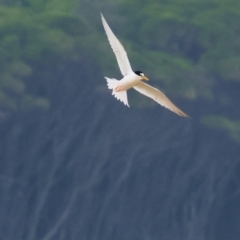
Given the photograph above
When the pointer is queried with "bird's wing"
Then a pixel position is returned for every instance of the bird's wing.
(159, 97)
(118, 49)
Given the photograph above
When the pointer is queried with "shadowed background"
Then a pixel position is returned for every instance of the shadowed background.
(75, 163)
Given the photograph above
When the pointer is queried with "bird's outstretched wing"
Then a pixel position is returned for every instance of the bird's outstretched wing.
(159, 97)
(118, 49)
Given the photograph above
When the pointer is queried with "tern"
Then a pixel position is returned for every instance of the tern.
(132, 79)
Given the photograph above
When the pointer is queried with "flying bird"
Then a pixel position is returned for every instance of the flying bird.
(132, 79)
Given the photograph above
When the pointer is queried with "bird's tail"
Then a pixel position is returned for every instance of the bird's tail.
(121, 95)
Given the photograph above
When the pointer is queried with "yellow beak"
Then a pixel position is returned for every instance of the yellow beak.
(145, 78)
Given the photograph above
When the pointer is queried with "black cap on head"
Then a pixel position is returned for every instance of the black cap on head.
(139, 73)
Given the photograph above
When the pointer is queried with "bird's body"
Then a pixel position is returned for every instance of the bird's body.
(128, 81)
(132, 79)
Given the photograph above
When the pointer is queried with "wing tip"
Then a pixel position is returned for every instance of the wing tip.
(183, 114)
(103, 18)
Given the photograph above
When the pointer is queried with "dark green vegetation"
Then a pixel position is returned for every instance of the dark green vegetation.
(37, 39)
(191, 48)
(77, 164)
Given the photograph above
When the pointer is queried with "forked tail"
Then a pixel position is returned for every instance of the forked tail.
(121, 95)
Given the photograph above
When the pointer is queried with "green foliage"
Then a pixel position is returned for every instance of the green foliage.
(187, 47)
(231, 127)
(195, 44)
(33, 38)
(203, 33)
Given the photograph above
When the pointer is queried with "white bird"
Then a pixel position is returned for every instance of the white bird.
(133, 79)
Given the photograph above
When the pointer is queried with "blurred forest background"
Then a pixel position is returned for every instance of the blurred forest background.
(75, 163)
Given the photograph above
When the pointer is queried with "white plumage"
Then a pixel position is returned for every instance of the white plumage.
(133, 79)
(118, 49)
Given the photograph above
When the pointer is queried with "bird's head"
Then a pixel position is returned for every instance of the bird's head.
(141, 74)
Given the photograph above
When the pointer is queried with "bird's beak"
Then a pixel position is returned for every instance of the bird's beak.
(145, 78)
